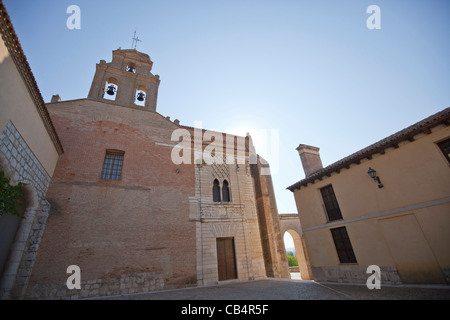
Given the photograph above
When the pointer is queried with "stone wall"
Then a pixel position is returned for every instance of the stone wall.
(353, 274)
(236, 219)
(21, 165)
(275, 259)
(116, 229)
(22, 161)
(125, 284)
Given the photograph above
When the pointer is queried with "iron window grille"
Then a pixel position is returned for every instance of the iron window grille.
(112, 165)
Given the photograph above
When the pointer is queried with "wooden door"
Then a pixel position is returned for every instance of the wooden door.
(226, 261)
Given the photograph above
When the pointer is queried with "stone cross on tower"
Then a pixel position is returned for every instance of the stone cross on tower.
(135, 41)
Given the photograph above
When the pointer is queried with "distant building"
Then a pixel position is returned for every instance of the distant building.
(386, 205)
(29, 150)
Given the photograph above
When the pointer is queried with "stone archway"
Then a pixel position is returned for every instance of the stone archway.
(297, 243)
(290, 223)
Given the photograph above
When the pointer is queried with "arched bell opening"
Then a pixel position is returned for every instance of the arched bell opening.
(140, 96)
(131, 67)
(111, 88)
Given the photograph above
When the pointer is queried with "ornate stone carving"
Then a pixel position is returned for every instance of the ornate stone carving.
(223, 211)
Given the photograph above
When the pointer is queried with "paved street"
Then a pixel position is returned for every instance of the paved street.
(284, 289)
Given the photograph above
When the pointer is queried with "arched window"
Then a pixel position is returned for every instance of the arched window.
(216, 191)
(226, 192)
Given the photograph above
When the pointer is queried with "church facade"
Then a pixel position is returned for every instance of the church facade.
(141, 203)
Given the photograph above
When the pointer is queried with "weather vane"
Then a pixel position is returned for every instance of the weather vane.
(135, 41)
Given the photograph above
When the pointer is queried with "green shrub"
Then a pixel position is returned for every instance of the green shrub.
(11, 197)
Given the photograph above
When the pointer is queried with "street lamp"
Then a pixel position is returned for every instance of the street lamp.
(373, 174)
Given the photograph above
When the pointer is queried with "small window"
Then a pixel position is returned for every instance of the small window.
(216, 191)
(112, 165)
(225, 192)
(343, 245)
(331, 204)
(445, 148)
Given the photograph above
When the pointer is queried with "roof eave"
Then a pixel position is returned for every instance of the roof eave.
(393, 141)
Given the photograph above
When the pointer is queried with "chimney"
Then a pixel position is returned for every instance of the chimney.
(310, 158)
(55, 98)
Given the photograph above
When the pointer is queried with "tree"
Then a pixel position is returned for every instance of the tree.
(292, 260)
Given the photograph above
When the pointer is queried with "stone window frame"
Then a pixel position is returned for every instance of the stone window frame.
(221, 191)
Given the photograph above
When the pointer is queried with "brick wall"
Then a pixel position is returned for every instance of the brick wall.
(155, 228)
(127, 235)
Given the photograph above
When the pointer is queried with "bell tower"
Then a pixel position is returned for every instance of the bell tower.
(126, 81)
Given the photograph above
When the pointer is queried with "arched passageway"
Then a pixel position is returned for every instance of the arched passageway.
(291, 245)
(290, 224)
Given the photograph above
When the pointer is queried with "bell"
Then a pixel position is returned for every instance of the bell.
(111, 90)
(140, 96)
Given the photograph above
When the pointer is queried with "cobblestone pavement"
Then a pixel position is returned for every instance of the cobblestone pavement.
(285, 289)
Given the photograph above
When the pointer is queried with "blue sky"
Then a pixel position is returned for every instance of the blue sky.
(310, 70)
